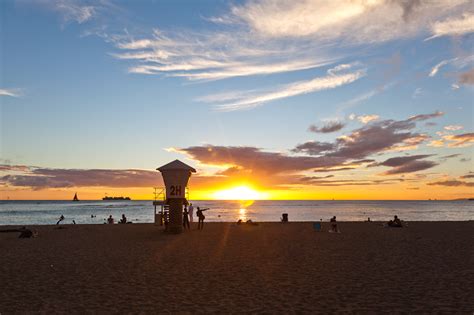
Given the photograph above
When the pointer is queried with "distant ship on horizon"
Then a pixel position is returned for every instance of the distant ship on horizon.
(75, 197)
(116, 198)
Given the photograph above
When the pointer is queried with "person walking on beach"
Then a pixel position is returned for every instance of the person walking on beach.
(334, 228)
(191, 210)
(185, 218)
(61, 218)
(201, 217)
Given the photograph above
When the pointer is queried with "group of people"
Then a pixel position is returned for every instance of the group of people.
(189, 211)
(109, 220)
(396, 222)
(188, 216)
(123, 220)
(61, 218)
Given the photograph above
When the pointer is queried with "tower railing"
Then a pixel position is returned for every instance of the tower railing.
(159, 200)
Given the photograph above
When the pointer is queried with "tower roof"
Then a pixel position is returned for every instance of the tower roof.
(176, 165)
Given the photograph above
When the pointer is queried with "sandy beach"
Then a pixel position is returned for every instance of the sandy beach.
(272, 268)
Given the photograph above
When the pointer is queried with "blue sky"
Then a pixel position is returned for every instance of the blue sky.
(132, 85)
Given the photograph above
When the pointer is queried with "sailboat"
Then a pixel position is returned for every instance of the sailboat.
(75, 197)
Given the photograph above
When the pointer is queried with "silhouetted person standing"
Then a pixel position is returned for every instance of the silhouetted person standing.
(201, 217)
(191, 210)
(186, 217)
(334, 225)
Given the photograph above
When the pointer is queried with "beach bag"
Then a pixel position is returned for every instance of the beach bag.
(317, 226)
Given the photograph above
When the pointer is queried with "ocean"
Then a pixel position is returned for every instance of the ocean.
(140, 211)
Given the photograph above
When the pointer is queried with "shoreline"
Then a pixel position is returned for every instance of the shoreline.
(326, 222)
(230, 200)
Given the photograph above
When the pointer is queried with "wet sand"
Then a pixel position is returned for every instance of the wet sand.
(272, 267)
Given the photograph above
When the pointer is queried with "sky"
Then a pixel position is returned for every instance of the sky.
(360, 99)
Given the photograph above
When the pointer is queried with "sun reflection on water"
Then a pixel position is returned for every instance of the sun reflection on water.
(243, 214)
(244, 205)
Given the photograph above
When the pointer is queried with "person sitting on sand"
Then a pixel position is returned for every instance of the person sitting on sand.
(110, 220)
(250, 222)
(123, 220)
(185, 217)
(27, 233)
(334, 228)
(61, 218)
(396, 222)
(201, 217)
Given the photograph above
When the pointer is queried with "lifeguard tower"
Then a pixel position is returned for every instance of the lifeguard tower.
(176, 176)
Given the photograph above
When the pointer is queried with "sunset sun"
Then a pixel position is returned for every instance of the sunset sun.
(239, 193)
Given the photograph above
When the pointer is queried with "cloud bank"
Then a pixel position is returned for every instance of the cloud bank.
(41, 178)
(356, 150)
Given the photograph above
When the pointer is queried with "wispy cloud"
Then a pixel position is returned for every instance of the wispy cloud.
(365, 119)
(329, 127)
(236, 70)
(246, 100)
(273, 36)
(461, 140)
(363, 97)
(436, 68)
(359, 99)
(452, 183)
(11, 92)
(454, 141)
(417, 93)
(458, 63)
(215, 55)
(318, 181)
(79, 11)
(468, 175)
(459, 25)
(72, 11)
(346, 19)
(453, 127)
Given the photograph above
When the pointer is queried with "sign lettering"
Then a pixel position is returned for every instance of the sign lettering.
(175, 190)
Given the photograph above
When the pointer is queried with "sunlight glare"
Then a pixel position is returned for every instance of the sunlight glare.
(239, 193)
